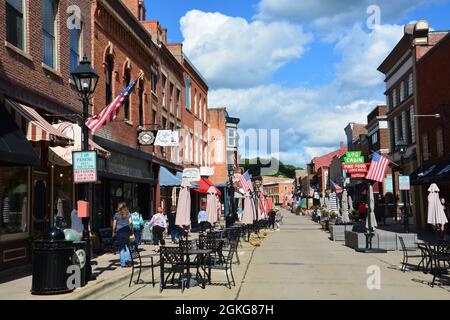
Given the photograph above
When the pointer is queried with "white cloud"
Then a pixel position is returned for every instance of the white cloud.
(233, 53)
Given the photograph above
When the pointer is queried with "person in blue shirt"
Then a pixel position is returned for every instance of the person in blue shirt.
(202, 219)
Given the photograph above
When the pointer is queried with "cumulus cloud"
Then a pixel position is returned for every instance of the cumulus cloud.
(234, 53)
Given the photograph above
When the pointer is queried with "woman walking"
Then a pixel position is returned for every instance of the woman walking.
(122, 230)
(159, 224)
(138, 225)
(173, 229)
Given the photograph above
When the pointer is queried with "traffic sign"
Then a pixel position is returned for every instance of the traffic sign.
(84, 166)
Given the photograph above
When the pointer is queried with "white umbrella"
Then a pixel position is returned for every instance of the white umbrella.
(211, 206)
(247, 217)
(350, 203)
(436, 214)
(183, 217)
(345, 217)
(59, 208)
(373, 219)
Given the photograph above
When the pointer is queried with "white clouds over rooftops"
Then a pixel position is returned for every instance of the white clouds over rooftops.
(234, 53)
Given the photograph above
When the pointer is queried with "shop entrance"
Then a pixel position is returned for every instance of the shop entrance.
(40, 218)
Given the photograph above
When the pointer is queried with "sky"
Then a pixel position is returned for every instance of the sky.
(304, 67)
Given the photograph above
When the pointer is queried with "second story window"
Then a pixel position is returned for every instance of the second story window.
(109, 79)
(49, 17)
(141, 103)
(163, 93)
(195, 101)
(178, 103)
(75, 48)
(440, 142)
(154, 82)
(200, 110)
(231, 138)
(126, 103)
(426, 147)
(188, 94)
(171, 98)
(15, 23)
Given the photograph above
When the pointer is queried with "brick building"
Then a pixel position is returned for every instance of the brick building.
(399, 68)
(38, 53)
(433, 97)
(279, 189)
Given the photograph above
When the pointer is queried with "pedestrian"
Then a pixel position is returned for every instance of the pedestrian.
(278, 219)
(202, 219)
(138, 225)
(173, 229)
(122, 230)
(159, 224)
(272, 214)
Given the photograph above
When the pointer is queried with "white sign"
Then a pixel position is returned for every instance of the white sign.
(167, 138)
(191, 174)
(206, 171)
(403, 182)
(84, 166)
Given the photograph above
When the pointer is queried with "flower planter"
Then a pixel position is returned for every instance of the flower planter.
(337, 231)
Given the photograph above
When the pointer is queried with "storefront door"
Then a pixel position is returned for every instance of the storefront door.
(40, 206)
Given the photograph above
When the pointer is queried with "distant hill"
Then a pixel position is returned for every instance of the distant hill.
(284, 170)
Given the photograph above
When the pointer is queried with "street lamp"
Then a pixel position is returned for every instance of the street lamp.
(402, 147)
(230, 219)
(86, 79)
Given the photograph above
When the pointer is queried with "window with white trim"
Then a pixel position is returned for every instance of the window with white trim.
(16, 23)
(75, 47)
(49, 34)
(410, 84)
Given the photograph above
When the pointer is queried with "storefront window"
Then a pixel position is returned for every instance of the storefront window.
(63, 196)
(13, 200)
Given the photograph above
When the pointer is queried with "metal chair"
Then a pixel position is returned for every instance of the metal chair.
(440, 254)
(406, 254)
(136, 263)
(173, 262)
(227, 265)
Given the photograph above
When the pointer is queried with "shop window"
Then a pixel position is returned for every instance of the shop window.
(15, 23)
(14, 213)
(63, 197)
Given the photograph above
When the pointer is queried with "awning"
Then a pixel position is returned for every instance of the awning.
(14, 146)
(62, 156)
(35, 127)
(431, 173)
(204, 185)
(167, 179)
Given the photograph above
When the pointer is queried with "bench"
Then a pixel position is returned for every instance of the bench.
(107, 242)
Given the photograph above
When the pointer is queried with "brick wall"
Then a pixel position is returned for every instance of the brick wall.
(217, 122)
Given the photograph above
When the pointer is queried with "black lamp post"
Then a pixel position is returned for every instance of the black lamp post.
(86, 79)
(230, 219)
(402, 147)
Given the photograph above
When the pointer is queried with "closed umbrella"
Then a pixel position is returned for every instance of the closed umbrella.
(211, 206)
(183, 217)
(350, 203)
(436, 214)
(345, 217)
(247, 217)
(373, 219)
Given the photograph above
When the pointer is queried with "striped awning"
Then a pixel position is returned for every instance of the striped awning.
(34, 126)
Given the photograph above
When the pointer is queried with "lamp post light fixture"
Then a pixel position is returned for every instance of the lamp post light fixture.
(402, 147)
(231, 217)
(86, 79)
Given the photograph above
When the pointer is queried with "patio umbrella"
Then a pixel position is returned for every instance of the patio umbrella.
(262, 206)
(436, 214)
(350, 203)
(247, 217)
(345, 217)
(373, 219)
(183, 217)
(211, 206)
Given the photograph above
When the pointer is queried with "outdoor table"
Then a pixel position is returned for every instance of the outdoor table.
(201, 255)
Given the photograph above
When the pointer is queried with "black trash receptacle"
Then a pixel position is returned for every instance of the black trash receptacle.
(51, 260)
(80, 259)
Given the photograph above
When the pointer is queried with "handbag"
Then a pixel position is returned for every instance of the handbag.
(132, 238)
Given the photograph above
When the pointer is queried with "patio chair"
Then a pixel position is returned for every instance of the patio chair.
(425, 261)
(406, 254)
(227, 265)
(172, 262)
(216, 246)
(136, 263)
(441, 254)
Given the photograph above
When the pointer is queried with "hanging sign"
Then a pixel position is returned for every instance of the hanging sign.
(356, 168)
(84, 166)
(404, 183)
(167, 138)
(191, 174)
(147, 137)
(354, 157)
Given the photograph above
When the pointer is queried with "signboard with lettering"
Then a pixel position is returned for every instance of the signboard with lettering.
(354, 157)
(389, 185)
(167, 138)
(207, 171)
(403, 183)
(84, 166)
(355, 168)
(191, 174)
(358, 175)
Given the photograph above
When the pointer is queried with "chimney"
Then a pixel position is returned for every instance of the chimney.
(137, 8)
(421, 30)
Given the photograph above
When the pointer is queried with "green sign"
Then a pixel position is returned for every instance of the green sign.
(389, 184)
(404, 183)
(84, 166)
(354, 157)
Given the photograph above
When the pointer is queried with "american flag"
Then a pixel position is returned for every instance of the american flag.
(246, 182)
(95, 122)
(378, 166)
(337, 187)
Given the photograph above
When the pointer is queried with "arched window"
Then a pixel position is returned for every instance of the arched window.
(126, 103)
(109, 79)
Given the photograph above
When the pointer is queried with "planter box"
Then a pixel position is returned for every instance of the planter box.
(356, 240)
(387, 241)
(381, 240)
(410, 240)
(338, 231)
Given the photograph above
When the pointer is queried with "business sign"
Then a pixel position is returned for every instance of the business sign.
(191, 174)
(84, 166)
(355, 168)
(358, 175)
(206, 171)
(167, 138)
(404, 183)
(354, 157)
(147, 137)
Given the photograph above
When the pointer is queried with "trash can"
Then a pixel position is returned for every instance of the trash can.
(51, 260)
(79, 259)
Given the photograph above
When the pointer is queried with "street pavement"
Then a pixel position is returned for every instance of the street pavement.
(300, 262)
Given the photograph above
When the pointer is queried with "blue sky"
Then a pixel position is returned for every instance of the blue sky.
(304, 67)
